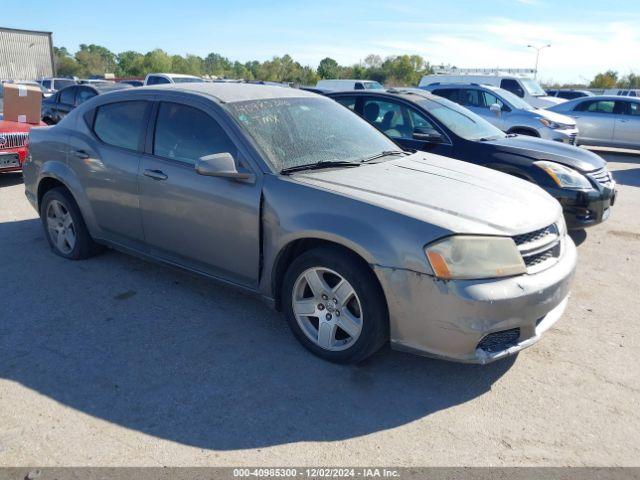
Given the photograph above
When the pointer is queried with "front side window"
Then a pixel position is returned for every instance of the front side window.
(300, 131)
(84, 94)
(532, 87)
(154, 80)
(121, 124)
(394, 119)
(491, 99)
(67, 96)
(185, 134)
(373, 86)
(596, 106)
(46, 84)
(512, 86)
(472, 98)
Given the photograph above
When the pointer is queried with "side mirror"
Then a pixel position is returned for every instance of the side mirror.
(427, 135)
(220, 165)
(496, 109)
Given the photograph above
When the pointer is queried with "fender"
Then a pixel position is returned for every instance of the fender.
(65, 175)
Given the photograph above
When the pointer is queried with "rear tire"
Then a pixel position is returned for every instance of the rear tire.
(64, 226)
(335, 306)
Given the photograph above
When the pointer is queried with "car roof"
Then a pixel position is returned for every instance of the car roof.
(233, 92)
(174, 75)
(610, 97)
(406, 93)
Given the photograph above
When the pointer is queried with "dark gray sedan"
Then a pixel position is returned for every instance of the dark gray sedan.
(290, 196)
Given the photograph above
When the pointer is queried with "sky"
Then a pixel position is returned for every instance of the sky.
(586, 37)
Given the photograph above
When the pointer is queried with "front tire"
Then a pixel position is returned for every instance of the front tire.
(64, 226)
(335, 306)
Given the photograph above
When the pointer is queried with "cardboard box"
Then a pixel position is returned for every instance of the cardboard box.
(22, 103)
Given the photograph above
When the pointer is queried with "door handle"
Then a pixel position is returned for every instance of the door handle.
(155, 174)
(81, 154)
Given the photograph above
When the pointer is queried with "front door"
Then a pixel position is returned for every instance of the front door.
(627, 127)
(208, 224)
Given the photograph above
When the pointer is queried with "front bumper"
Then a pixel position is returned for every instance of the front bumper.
(585, 209)
(569, 136)
(450, 319)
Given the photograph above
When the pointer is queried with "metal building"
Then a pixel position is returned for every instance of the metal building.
(25, 54)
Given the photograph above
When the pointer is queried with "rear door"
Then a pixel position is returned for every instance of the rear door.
(208, 224)
(596, 121)
(107, 161)
(627, 124)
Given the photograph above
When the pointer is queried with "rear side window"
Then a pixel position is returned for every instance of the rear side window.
(185, 134)
(512, 86)
(452, 94)
(121, 124)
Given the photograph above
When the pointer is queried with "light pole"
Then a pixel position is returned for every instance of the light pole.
(538, 50)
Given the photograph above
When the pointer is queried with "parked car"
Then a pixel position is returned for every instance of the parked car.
(163, 78)
(52, 85)
(610, 121)
(623, 92)
(56, 107)
(13, 145)
(133, 82)
(525, 88)
(97, 82)
(418, 120)
(569, 94)
(337, 85)
(508, 112)
(288, 195)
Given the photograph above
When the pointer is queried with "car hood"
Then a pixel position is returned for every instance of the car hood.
(555, 117)
(539, 149)
(7, 126)
(455, 195)
(546, 101)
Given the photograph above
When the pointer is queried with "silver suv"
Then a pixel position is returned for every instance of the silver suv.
(508, 112)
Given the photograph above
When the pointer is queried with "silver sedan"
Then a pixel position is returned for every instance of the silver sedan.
(290, 196)
(608, 121)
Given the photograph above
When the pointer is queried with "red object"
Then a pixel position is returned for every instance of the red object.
(14, 141)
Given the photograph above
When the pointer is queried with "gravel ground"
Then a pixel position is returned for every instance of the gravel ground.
(116, 361)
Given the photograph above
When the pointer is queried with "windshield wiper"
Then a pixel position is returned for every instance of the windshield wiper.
(319, 165)
(385, 153)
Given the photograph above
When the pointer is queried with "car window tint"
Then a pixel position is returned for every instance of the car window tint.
(452, 94)
(601, 106)
(120, 124)
(472, 98)
(349, 102)
(185, 133)
(389, 117)
(84, 94)
(67, 95)
(490, 99)
(633, 108)
(512, 86)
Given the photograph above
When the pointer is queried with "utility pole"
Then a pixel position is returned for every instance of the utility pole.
(538, 50)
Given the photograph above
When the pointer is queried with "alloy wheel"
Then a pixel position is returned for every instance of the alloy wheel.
(327, 309)
(60, 226)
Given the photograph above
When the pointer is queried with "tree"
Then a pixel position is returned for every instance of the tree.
(328, 68)
(130, 64)
(608, 79)
(95, 60)
(157, 61)
(65, 64)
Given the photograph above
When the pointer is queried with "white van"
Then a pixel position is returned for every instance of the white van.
(519, 84)
(340, 85)
(624, 92)
(164, 78)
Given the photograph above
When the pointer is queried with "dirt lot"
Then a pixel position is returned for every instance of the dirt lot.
(115, 361)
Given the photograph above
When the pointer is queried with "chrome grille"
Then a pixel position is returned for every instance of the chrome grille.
(603, 177)
(13, 140)
(540, 248)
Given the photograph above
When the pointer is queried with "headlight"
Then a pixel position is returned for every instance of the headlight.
(554, 125)
(470, 257)
(564, 177)
(562, 226)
